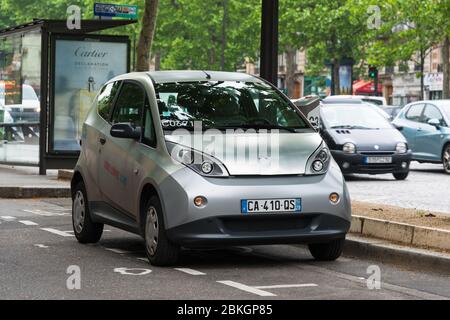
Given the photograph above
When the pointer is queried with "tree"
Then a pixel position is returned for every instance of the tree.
(331, 30)
(443, 9)
(409, 32)
(217, 36)
(146, 35)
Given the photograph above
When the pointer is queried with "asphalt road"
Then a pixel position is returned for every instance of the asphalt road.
(37, 249)
(427, 188)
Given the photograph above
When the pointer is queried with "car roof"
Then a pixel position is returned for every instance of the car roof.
(192, 76)
(342, 99)
(350, 104)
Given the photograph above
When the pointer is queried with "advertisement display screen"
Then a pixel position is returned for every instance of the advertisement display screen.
(81, 69)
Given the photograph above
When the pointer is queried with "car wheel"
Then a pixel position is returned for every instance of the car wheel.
(329, 251)
(85, 230)
(446, 159)
(401, 176)
(160, 251)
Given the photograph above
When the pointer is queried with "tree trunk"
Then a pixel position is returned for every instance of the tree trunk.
(422, 75)
(224, 34)
(446, 68)
(146, 37)
(158, 60)
(336, 79)
(291, 69)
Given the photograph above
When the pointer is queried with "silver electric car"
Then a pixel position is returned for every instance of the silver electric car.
(199, 159)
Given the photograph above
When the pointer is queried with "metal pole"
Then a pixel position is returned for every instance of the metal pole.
(44, 104)
(269, 41)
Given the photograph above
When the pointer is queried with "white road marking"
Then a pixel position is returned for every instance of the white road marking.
(8, 218)
(285, 286)
(192, 272)
(246, 288)
(45, 213)
(28, 223)
(41, 246)
(117, 251)
(133, 271)
(57, 232)
(143, 259)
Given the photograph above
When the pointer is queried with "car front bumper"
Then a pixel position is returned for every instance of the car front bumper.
(355, 163)
(221, 222)
(260, 230)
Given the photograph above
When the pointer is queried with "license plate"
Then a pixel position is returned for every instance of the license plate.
(271, 205)
(378, 160)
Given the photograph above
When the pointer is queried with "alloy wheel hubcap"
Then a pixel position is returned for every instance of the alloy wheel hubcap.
(152, 231)
(79, 212)
(447, 159)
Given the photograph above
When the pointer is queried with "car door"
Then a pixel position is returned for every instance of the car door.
(410, 122)
(429, 139)
(141, 161)
(113, 169)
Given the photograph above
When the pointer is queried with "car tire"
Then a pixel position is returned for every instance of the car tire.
(446, 158)
(401, 175)
(329, 251)
(160, 251)
(85, 230)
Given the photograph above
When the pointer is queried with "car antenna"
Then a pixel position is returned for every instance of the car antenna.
(208, 76)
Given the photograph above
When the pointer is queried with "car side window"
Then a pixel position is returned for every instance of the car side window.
(414, 113)
(431, 112)
(106, 98)
(129, 105)
(149, 137)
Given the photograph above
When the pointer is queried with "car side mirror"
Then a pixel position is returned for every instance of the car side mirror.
(125, 131)
(398, 127)
(435, 123)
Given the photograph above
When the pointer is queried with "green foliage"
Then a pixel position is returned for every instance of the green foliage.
(190, 34)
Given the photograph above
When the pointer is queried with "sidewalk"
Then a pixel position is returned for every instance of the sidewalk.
(25, 182)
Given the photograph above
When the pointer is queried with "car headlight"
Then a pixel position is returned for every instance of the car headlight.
(401, 147)
(319, 162)
(349, 148)
(201, 163)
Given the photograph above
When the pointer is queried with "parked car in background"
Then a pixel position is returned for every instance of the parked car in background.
(392, 111)
(363, 141)
(338, 100)
(309, 106)
(28, 110)
(140, 170)
(426, 126)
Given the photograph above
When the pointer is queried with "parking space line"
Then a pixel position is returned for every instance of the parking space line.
(285, 286)
(57, 232)
(246, 288)
(118, 251)
(8, 218)
(192, 272)
(28, 223)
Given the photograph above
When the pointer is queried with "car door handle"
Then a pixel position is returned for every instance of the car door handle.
(102, 141)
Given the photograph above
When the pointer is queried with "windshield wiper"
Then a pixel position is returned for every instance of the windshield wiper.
(350, 127)
(258, 127)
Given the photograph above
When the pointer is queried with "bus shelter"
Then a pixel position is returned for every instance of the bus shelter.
(49, 76)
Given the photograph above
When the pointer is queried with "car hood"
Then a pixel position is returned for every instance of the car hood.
(366, 140)
(279, 154)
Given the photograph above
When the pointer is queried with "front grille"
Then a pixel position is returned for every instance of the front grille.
(266, 224)
(377, 153)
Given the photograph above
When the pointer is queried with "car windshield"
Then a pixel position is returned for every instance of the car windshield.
(446, 108)
(353, 117)
(372, 101)
(226, 105)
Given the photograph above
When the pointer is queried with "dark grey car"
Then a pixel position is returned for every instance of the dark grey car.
(361, 140)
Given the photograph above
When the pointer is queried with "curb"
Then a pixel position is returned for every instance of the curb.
(384, 252)
(402, 233)
(34, 192)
